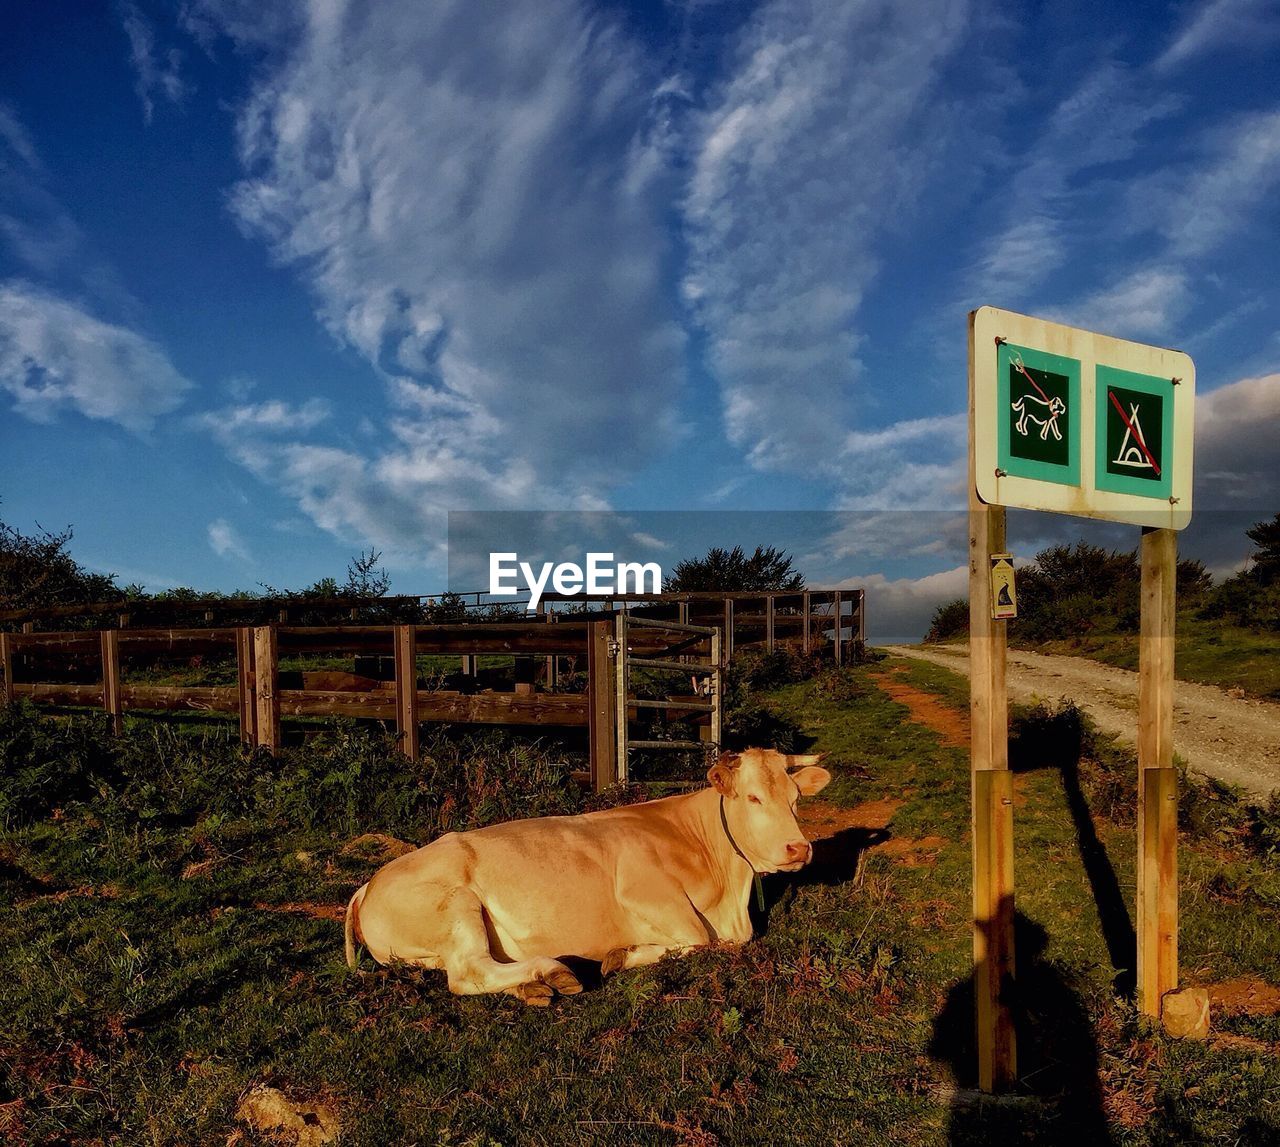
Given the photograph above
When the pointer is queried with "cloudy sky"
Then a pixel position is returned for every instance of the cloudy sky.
(282, 281)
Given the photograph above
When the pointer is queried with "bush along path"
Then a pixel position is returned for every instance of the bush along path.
(167, 964)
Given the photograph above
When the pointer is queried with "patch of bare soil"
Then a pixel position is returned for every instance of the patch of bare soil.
(85, 892)
(868, 824)
(929, 710)
(1246, 996)
(913, 852)
(821, 821)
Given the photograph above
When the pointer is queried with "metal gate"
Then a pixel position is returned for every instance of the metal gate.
(677, 661)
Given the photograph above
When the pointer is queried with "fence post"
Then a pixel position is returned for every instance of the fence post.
(622, 687)
(6, 655)
(728, 630)
(244, 679)
(805, 611)
(601, 710)
(407, 689)
(768, 623)
(717, 683)
(111, 679)
(837, 612)
(862, 617)
(266, 667)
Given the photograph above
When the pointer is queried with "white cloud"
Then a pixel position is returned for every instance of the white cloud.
(820, 137)
(895, 534)
(1102, 121)
(271, 417)
(226, 541)
(32, 222)
(901, 608)
(1221, 24)
(1147, 302)
(648, 541)
(1206, 205)
(473, 198)
(157, 70)
(1237, 463)
(54, 355)
(913, 464)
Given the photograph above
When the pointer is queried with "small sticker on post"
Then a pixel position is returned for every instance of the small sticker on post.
(1004, 593)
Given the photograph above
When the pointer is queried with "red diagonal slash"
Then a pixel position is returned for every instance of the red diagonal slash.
(1111, 394)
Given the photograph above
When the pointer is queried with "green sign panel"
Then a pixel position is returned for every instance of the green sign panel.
(1135, 433)
(1039, 420)
(1078, 422)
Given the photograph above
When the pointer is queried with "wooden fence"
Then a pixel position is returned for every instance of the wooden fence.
(264, 697)
(565, 632)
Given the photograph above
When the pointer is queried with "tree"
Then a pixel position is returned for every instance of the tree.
(364, 579)
(951, 619)
(731, 571)
(1266, 558)
(36, 570)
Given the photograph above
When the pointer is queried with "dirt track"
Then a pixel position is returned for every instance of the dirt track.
(1235, 739)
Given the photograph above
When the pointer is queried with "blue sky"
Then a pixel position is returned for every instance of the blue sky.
(279, 282)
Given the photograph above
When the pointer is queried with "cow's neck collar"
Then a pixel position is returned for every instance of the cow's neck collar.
(724, 823)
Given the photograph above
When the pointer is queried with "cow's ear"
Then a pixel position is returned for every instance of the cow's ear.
(810, 779)
(722, 774)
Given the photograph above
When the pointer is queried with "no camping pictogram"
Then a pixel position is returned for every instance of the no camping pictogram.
(1133, 450)
(1134, 433)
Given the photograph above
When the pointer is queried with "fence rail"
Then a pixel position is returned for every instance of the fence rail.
(746, 617)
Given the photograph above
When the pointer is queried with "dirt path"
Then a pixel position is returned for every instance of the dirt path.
(1235, 739)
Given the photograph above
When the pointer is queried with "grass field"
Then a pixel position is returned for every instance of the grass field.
(1212, 652)
(171, 938)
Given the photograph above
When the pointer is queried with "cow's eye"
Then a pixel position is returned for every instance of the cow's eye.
(754, 799)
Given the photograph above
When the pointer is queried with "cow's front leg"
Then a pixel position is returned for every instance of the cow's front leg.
(638, 955)
(660, 925)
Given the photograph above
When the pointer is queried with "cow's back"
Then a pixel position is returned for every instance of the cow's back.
(548, 886)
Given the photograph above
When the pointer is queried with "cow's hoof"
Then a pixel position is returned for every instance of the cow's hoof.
(615, 961)
(564, 982)
(535, 993)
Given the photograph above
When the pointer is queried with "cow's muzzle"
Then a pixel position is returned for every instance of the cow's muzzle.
(798, 854)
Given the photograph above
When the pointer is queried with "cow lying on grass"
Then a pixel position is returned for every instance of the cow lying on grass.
(494, 907)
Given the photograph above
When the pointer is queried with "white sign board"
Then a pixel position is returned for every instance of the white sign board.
(1080, 423)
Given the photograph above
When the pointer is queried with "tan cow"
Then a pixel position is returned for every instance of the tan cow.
(494, 907)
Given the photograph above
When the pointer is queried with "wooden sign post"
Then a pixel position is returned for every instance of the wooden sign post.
(1157, 899)
(1070, 421)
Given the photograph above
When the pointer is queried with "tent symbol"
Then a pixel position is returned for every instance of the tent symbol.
(1133, 451)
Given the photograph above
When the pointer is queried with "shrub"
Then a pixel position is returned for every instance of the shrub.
(49, 764)
(951, 619)
(347, 779)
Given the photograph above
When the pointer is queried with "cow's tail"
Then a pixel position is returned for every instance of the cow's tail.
(351, 926)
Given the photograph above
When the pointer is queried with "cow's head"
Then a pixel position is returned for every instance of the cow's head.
(760, 788)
